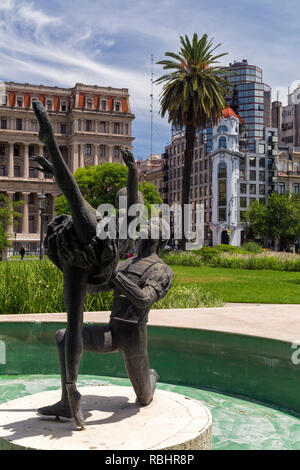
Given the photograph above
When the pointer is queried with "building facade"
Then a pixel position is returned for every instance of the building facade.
(91, 125)
(152, 170)
(288, 174)
(254, 99)
(287, 120)
(249, 176)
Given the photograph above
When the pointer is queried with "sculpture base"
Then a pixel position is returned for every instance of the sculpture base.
(114, 421)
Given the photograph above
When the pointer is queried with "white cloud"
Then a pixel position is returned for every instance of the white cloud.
(86, 35)
(6, 4)
(28, 13)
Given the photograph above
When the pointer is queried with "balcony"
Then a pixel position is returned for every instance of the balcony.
(289, 174)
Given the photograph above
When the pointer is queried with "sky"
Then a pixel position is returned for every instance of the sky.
(109, 43)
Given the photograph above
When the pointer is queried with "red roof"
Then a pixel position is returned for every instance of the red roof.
(228, 112)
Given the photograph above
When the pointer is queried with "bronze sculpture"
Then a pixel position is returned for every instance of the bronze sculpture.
(90, 264)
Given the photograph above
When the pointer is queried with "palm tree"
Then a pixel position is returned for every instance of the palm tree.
(193, 95)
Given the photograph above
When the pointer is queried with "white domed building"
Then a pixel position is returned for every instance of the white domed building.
(225, 160)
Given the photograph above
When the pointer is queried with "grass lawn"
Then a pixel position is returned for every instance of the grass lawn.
(241, 285)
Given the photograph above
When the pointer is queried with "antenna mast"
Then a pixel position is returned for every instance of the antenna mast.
(151, 106)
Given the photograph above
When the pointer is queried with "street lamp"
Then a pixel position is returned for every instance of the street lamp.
(43, 206)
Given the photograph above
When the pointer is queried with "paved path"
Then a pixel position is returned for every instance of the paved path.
(277, 321)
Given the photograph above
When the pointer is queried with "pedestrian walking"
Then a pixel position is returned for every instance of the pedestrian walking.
(22, 252)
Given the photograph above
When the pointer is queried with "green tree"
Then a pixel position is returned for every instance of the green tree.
(7, 215)
(279, 220)
(100, 184)
(193, 95)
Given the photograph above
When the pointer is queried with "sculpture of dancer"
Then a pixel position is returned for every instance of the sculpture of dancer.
(90, 263)
(71, 243)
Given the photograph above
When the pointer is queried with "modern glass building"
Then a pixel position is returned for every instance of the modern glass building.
(254, 98)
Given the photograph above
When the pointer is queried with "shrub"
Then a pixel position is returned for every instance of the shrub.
(251, 247)
(227, 249)
(37, 287)
(208, 255)
(182, 258)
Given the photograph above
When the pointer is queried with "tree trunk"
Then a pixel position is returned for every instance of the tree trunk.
(190, 134)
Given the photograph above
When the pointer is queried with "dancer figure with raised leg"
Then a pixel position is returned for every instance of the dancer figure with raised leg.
(90, 263)
(71, 243)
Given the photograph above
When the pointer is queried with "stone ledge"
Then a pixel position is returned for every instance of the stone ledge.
(114, 421)
(272, 321)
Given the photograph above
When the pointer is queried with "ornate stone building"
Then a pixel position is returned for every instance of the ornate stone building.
(152, 170)
(287, 120)
(91, 124)
(288, 175)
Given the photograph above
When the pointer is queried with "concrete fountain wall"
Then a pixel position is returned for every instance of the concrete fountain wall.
(223, 359)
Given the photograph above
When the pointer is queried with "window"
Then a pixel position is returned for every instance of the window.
(16, 150)
(222, 174)
(31, 150)
(252, 188)
(49, 105)
(281, 188)
(4, 100)
(261, 176)
(262, 189)
(102, 126)
(102, 151)
(63, 106)
(262, 163)
(89, 103)
(103, 105)
(19, 101)
(88, 149)
(296, 188)
(2, 150)
(116, 128)
(18, 124)
(88, 125)
(243, 188)
(2, 170)
(222, 129)
(17, 172)
(222, 142)
(118, 106)
(222, 170)
(252, 161)
(222, 193)
(243, 202)
(222, 214)
(252, 175)
(32, 172)
(33, 125)
(31, 198)
(116, 151)
(63, 128)
(31, 226)
(3, 123)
